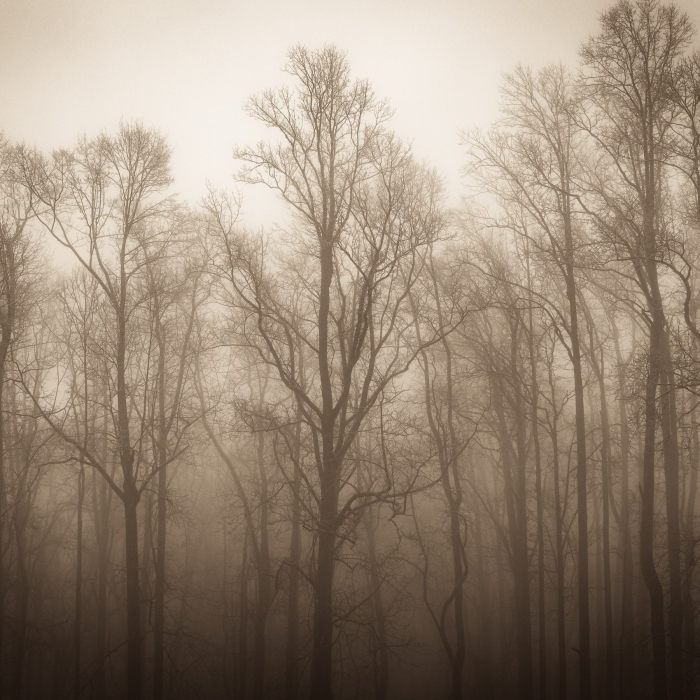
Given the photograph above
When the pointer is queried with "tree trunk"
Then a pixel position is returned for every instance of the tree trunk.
(520, 550)
(322, 658)
(541, 612)
(159, 612)
(322, 661)
(146, 584)
(584, 627)
(243, 622)
(689, 541)
(159, 621)
(559, 527)
(19, 522)
(3, 508)
(78, 585)
(7, 323)
(646, 532)
(291, 677)
(264, 574)
(382, 674)
(101, 504)
(483, 662)
(669, 425)
(599, 371)
(628, 675)
(454, 495)
(133, 593)
(21, 601)
(519, 560)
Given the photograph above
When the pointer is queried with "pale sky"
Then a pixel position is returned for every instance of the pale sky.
(78, 66)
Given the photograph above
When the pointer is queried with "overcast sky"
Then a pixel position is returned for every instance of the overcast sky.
(78, 66)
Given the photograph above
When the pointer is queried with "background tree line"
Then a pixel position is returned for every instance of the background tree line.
(389, 450)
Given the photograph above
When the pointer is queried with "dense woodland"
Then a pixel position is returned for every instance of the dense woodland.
(388, 449)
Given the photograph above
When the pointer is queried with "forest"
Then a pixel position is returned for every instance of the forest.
(388, 448)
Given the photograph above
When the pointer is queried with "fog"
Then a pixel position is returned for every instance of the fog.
(349, 350)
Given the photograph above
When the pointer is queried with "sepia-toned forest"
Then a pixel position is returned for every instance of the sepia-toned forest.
(389, 448)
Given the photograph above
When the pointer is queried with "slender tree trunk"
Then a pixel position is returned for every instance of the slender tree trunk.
(628, 675)
(243, 622)
(607, 582)
(582, 502)
(454, 495)
(78, 586)
(382, 677)
(669, 425)
(20, 459)
(229, 687)
(101, 498)
(159, 621)
(561, 564)
(133, 593)
(264, 573)
(3, 507)
(483, 664)
(101, 508)
(459, 578)
(541, 611)
(321, 669)
(646, 533)
(7, 323)
(159, 612)
(599, 371)
(521, 553)
(689, 610)
(448, 457)
(3, 510)
(130, 494)
(146, 582)
(291, 683)
(599, 678)
(322, 656)
(519, 560)
(22, 590)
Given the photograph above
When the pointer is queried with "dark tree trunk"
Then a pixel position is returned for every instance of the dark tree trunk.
(322, 660)
(535, 396)
(291, 678)
(646, 533)
(599, 371)
(264, 574)
(101, 504)
(519, 557)
(133, 593)
(159, 618)
(7, 322)
(483, 662)
(561, 564)
(78, 586)
(521, 554)
(689, 541)
(159, 611)
(669, 425)
(382, 667)
(21, 602)
(322, 656)
(242, 662)
(584, 627)
(628, 674)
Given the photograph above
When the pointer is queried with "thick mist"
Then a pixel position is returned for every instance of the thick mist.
(389, 449)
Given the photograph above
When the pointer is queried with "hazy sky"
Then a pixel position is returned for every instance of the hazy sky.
(74, 66)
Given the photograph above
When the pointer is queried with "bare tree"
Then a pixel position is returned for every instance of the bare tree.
(629, 69)
(362, 211)
(97, 202)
